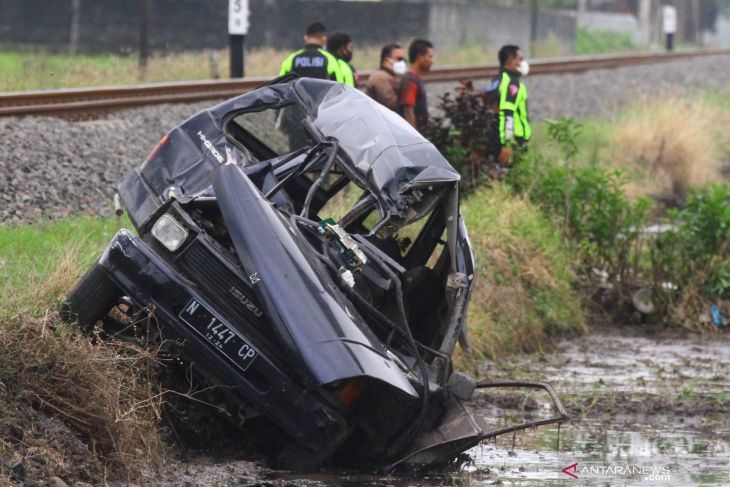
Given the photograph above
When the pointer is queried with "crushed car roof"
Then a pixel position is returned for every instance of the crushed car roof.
(385, 151)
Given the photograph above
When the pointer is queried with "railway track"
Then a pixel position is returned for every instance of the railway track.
(75, 102)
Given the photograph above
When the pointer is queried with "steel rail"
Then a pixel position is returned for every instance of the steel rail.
(109, 98)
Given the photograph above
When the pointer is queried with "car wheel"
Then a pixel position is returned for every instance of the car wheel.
(92, 298)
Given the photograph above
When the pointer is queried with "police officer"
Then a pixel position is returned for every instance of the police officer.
(514, 122)
(339, 45)
(313, 61)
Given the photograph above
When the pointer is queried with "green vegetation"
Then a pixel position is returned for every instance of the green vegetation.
(31, 69)
(588, 202)
(35, 70)
(525, 273)
(686, 267)
(599, 185)
(602, 42)
(39, 262)
(666, 145)
(104, 391)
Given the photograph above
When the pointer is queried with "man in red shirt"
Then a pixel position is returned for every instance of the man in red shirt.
(413, 103)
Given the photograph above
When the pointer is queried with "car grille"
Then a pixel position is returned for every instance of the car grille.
(230, 294)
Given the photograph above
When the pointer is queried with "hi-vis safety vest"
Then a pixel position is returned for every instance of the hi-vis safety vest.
(312, 62)
(348, 76)
(514, 123)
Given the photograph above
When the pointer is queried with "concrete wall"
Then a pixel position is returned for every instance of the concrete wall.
(613, 22)
(494, 26)
(721, 35)
(112, 25)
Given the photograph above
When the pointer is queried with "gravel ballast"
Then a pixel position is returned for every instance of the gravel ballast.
(54, 168)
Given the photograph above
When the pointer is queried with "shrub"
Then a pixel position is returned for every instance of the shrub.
(588, 202)
(466, 133)
(694, 254)
(687, 266)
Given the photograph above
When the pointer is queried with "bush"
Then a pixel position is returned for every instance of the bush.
(687, 266)
(694, 254)
(589, 204)
(466, 134)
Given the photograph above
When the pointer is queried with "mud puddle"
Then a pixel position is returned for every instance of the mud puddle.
(611, 363)
(623, 452)
(645, 411)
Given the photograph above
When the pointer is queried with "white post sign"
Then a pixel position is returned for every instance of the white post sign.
(669, 17)
(238, 17)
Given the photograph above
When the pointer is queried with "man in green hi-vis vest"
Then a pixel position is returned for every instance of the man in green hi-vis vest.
(514, 121)
(313, 61)
(339, 45)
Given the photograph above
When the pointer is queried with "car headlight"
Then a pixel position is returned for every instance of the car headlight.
(169, 232)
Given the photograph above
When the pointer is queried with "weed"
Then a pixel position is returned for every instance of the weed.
(523, 292)
(669, 146)
(694, 254)
(688, 391)
(565, 134)
(31, 69)
(588, 202)
(103, 391)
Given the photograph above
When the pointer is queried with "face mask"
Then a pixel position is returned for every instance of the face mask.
(347, 56)
(523, 68)
(399, 67)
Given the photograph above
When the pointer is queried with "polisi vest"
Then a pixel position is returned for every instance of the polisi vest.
(312, 62)
(514, 123)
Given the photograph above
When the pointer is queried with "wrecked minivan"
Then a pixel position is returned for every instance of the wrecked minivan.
(301, 248)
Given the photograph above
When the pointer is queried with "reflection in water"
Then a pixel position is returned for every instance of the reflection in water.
(625, 453)
(632, 449)
(621, 452)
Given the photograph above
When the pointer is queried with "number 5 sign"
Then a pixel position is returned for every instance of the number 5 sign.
(238, 17)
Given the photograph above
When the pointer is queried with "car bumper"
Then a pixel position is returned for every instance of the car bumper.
(151, 282)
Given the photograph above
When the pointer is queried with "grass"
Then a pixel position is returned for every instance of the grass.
(602, 42)
(669, 146)
(31, 254)
(523, 291)
(104, 391)
(35, 70)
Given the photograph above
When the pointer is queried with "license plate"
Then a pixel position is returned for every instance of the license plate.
(219, 334)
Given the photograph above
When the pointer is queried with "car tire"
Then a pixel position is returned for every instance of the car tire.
(92, 298)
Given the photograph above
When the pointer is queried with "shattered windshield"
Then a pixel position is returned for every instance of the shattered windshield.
(271, 132)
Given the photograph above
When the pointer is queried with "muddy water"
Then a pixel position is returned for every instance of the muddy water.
(645, 411)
